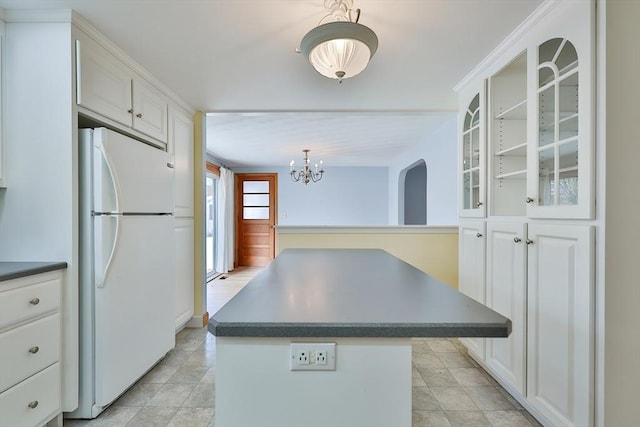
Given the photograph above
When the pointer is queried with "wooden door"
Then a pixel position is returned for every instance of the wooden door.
(256, 214)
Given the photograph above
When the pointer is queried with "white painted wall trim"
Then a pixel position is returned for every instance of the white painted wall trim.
(516, 35)
(382, 229)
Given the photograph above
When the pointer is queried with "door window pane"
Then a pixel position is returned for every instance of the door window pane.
(255, 200)
(255, 213)
(255, 187)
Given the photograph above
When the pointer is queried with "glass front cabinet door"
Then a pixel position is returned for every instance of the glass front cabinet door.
(560, 169)
(472, 157)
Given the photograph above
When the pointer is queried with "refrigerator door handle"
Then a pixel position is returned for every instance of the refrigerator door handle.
(103, 157)
(116, 236)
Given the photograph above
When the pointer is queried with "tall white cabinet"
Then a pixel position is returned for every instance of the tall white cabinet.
(538, 249)
(181, 138)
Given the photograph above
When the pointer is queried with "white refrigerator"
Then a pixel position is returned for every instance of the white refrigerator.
(127, 259)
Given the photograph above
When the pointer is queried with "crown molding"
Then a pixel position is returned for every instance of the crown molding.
(38, 15)
(86, 27)
(516, 35)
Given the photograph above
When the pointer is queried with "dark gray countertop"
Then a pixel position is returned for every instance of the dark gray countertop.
(14, 270)
(351, 293)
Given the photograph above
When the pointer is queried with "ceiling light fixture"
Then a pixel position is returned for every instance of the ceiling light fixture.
(306, 174)
(339, 47)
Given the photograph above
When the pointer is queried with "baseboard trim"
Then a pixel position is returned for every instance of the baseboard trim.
(198, 321)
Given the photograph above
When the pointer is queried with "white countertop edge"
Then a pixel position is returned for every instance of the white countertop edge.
(366, 229)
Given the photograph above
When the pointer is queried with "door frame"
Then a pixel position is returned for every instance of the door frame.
(273, 209)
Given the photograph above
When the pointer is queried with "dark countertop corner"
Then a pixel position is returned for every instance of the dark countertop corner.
(15, 270)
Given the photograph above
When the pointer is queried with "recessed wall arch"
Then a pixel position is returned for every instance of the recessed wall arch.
(412, 194)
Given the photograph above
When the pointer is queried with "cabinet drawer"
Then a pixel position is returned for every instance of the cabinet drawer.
(33, 401)
(28, 349)
(20, 304)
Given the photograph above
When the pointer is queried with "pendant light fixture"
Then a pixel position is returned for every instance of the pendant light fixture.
(339, 47)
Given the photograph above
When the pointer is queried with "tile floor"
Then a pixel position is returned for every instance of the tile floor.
(449, 388)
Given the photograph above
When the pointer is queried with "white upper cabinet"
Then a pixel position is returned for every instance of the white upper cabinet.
(508, 138)
(181, 146)
(540, 134)
(472, 156)
(108, 87)
(560, 181)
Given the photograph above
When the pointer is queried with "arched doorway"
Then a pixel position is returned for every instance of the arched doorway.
(414, 192)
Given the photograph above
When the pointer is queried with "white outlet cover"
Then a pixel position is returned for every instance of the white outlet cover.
(311, 348)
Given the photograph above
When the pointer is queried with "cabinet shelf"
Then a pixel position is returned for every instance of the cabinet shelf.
(516, 112)
(562, 170)
(519, 174)
(516, 151)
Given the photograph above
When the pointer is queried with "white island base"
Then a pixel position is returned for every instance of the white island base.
(371, 386)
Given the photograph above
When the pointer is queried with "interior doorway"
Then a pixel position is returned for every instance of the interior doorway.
(256, 215)
(414, 192)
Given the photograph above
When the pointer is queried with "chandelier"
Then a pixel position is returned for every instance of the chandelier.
(339, 47)
(306, 174)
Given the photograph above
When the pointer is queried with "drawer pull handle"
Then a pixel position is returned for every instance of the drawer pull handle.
(517, 239)
(34, 349)
(130, 111)
(33, 404)
(529, 242)
(34, 301)
(139, 115)
(478, 235)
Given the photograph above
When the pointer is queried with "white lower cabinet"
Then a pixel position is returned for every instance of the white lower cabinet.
(471, 267)
(506, 294)
(30, 331)
(560, 361)
(540, 276)
(184, 271)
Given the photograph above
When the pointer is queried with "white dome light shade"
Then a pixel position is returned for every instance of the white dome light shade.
(339, 49)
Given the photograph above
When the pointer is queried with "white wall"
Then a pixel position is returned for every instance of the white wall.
(345, 196)
(439, 152)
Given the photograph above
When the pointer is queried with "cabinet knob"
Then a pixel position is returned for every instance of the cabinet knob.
(130, 111)
(34, 301)
(139, 115)
(517, 239)
(478, 235)
(33, 404)
(529, 200)
(478, 204)
(34, 349)
(529, 242)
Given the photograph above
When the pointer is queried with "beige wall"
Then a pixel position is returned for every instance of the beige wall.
(435, 252)
(622, 204)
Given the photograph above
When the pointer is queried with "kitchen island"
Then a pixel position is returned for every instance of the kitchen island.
(366, 301)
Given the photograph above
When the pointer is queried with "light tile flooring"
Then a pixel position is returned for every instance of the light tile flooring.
(449, 388)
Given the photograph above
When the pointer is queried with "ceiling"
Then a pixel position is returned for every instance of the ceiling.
(237, 59)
